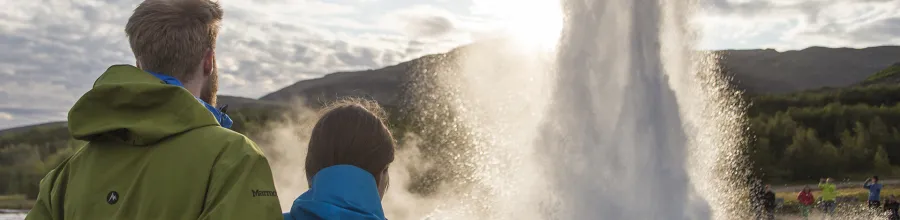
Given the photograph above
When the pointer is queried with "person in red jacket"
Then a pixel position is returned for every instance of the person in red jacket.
(806, 200)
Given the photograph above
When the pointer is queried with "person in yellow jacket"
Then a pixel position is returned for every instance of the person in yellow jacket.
(829, 195)
(157, 148)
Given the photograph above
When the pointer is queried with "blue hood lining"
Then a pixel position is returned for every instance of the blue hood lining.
(339, 192)
(221, 117)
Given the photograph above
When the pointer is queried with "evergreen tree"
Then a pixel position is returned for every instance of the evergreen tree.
(881, 163)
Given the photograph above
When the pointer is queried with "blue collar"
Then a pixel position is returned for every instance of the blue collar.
(221, 117)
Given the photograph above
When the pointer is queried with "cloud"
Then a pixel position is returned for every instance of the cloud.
(431, 26)
(795, 24)
(745, 9)
(54, 50)
(5, 116)
(421, 21)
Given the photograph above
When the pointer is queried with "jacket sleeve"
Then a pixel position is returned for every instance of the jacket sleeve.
(241, 186)
(43, 206)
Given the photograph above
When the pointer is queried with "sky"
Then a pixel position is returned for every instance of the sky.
(52, 50)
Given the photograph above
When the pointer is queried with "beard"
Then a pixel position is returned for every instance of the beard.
(211, 87)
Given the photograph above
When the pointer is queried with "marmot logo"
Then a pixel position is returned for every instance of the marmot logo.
(112, 197)
(263, 193)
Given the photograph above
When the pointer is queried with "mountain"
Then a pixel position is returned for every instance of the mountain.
(237, 103)
(770, 71)
(753, 71)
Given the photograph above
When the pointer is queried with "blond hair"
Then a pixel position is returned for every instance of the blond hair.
(171, 36)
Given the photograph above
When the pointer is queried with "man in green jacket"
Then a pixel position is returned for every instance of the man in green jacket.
(829, 195)
(157, 148)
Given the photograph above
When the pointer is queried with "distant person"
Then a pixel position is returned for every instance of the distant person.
(347, 162)
(890, 206)
(758, 194)
(806, 199)
(829, 195)
(157, 148)
(874, 191)
(769, 203)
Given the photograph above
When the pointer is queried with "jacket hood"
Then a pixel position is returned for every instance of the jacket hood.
(129, 105)
(339, 192)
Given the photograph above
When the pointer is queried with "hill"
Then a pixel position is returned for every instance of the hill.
(48, 125)
(891, 75)
(770, 71)
(754, 71)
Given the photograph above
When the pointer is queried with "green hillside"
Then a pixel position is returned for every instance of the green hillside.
(886, 76)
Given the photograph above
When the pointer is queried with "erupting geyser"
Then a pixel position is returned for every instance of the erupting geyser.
(600, 109)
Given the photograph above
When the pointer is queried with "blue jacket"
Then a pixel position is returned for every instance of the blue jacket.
(339, 192)
(874, 191)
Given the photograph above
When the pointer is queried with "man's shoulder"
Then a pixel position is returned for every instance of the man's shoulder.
(232, 143)
(215, 135)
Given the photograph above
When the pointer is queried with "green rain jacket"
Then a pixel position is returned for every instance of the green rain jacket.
(829, 191)
(154, 152)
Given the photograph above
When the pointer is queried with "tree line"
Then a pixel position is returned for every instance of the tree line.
(841, 133)
(26, 156)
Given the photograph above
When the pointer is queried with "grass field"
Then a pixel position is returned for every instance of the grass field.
(850, 200)
(15, 202)
(860, 193)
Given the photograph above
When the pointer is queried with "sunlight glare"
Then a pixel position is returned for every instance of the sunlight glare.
(534, 22)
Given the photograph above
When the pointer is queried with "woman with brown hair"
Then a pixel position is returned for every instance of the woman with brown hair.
(347, 164)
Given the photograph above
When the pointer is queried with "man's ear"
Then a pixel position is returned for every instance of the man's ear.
(209, 62)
